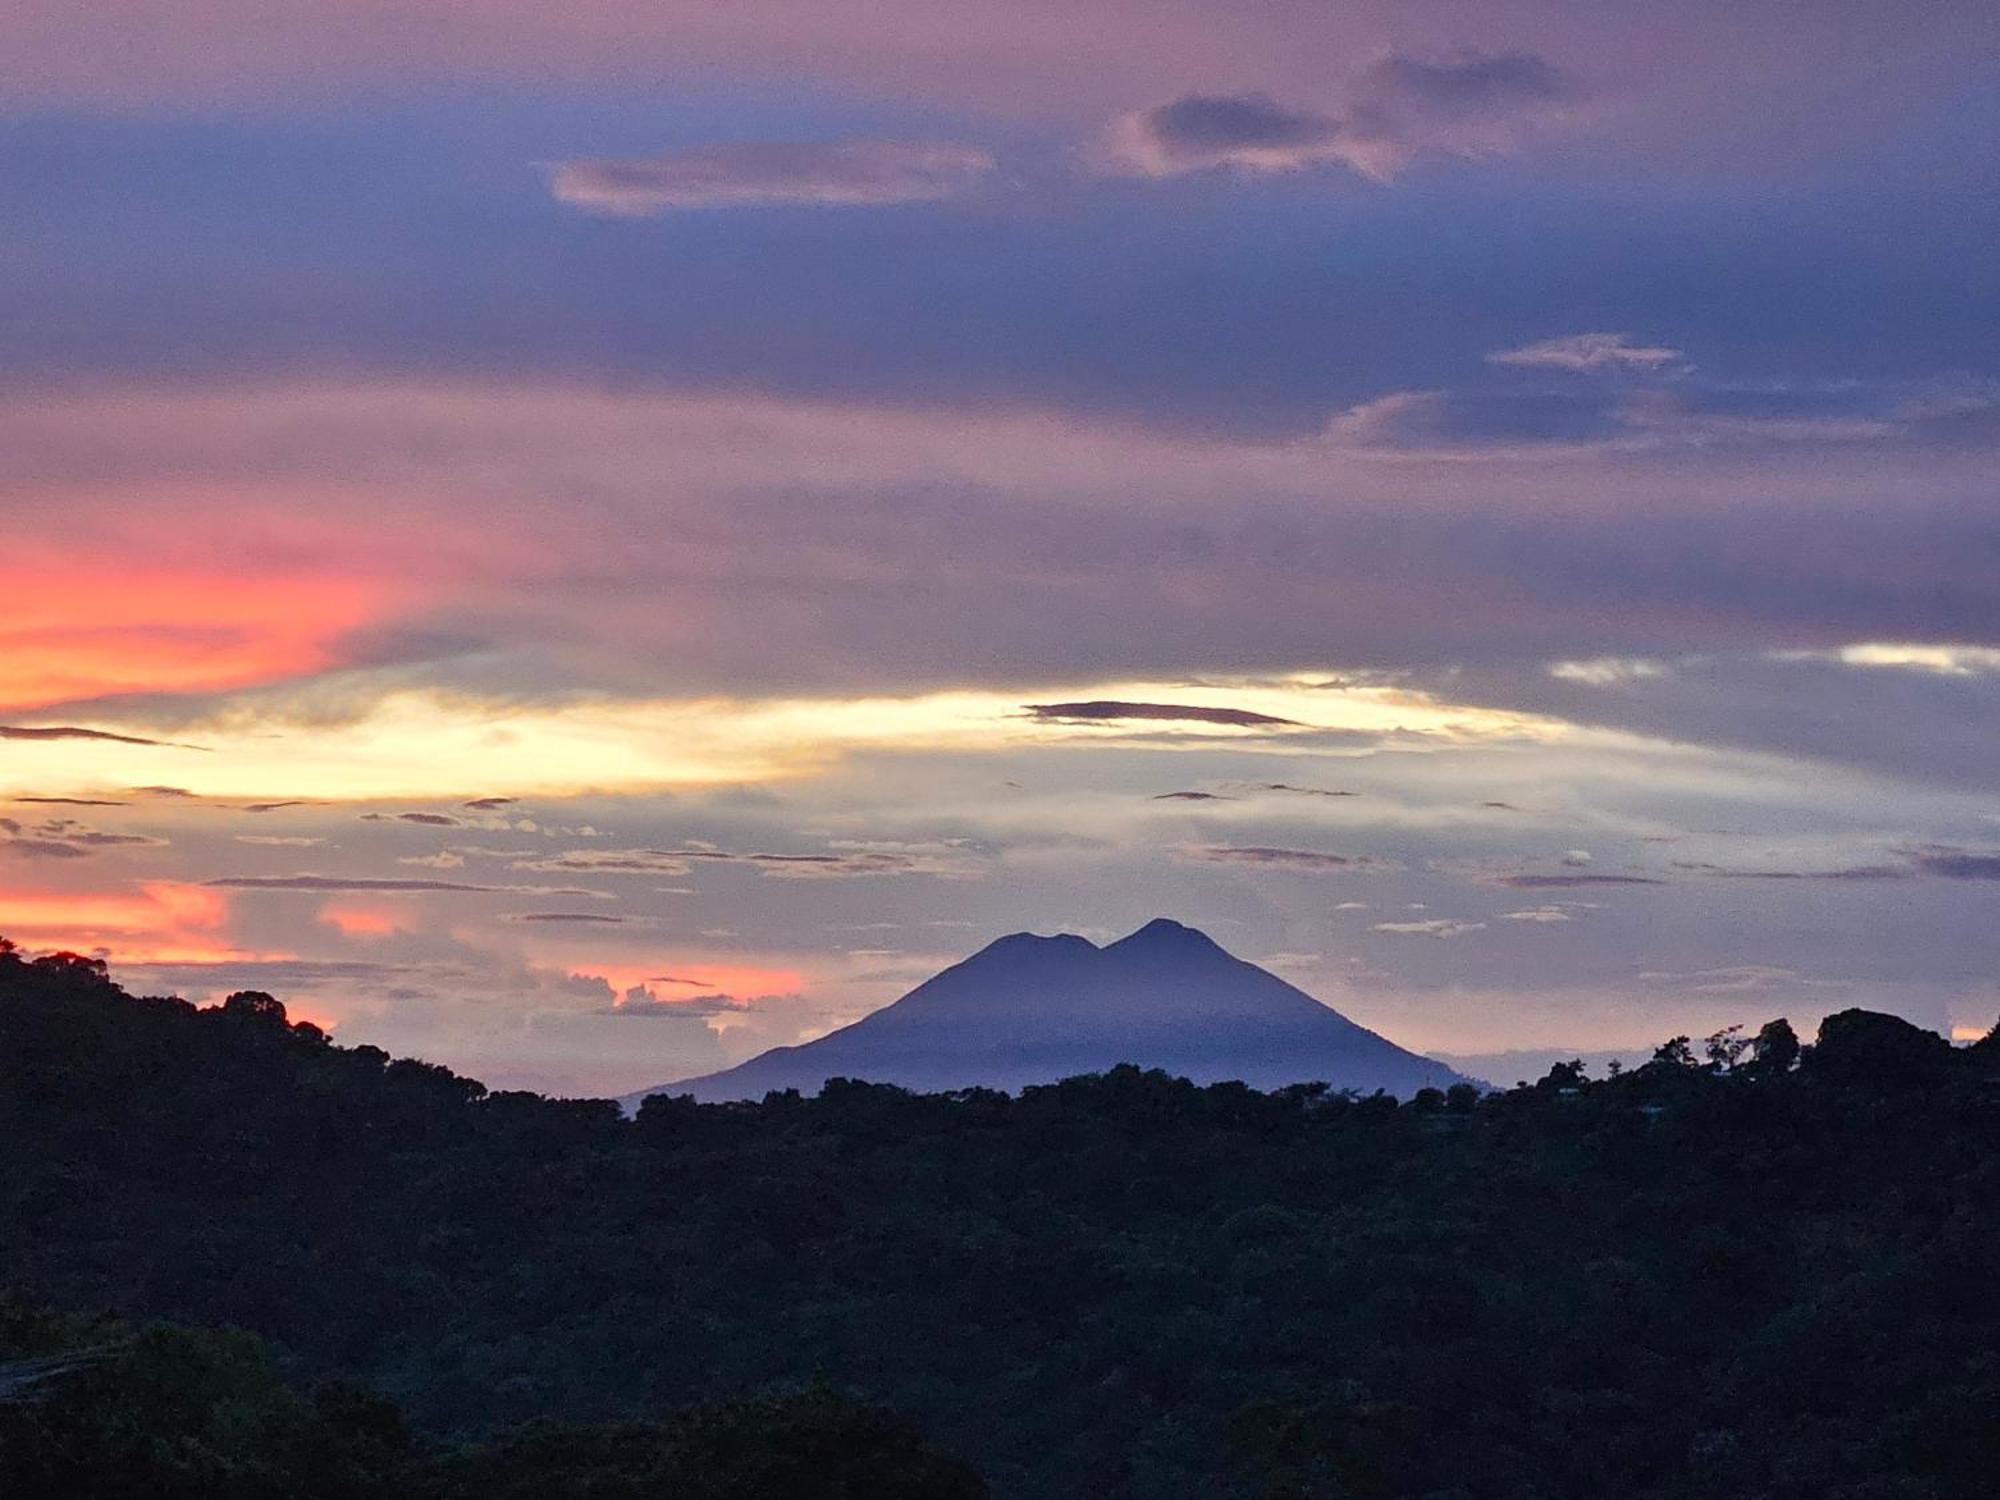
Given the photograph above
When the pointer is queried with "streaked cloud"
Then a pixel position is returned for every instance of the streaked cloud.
(760, 174)
(1958, 864)
(388, 885)
(1264, 857)
(1589, 353)
(1542, 882)
(1430, 927)
(1942, 660)
(39, 732)
(1608, 671)
(65, 838)
(1109, 711)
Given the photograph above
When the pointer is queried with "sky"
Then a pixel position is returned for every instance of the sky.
(584, 542)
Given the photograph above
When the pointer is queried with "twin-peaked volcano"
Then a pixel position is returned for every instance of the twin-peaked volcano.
(1030, 1009)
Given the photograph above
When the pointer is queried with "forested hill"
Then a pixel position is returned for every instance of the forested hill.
(1738, 1271)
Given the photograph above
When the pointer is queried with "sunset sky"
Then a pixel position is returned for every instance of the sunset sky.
(582, 542)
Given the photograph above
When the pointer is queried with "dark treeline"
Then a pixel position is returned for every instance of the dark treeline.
(1746, 1269)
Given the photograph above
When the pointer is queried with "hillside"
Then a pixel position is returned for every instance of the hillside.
(1758, 1271)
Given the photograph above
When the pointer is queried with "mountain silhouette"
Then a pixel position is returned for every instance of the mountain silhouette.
(1028, 1009)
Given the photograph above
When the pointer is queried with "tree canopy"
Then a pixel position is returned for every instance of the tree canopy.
(1745, 1269)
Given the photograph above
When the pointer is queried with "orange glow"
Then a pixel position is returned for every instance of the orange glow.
(363, 921)
(82, 630)
(164, 922)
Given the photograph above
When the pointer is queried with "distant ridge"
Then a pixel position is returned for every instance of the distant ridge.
(1027, 1009)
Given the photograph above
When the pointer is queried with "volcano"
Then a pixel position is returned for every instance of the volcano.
(1028, 1009)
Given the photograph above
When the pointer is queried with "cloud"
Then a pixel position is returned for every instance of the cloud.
(1468, 87)
(426, 819)
(1933, 660)
(1106, 710)
(1248, 132)
(71, 801)
(271, 974)
(1942, 863)
(1287, 787)
(1737, 979)
(948, 860)
(1588, 353)
(1957, 864)
(383, 884)
(1539, 914)
(855, 858)
(65, 838)
(608, 862)
(1191, 797)
(1643, 414)
(1569, 882)
(1471, 104)
(1608, 671)
(1265, 857)
(1853, 872)
(489, 804)
(1434, 927)
(271, 807)
(33, 848)
(71, 732)
(1477, 420)
(641, 1005)
(755, 174)
(577, 918)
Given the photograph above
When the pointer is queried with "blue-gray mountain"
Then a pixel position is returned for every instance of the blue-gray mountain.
(1030, 1009)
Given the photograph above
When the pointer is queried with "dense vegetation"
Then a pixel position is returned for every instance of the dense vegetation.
(1760, 1270)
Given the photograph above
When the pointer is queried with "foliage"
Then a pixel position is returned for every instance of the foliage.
(1756, 1270)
